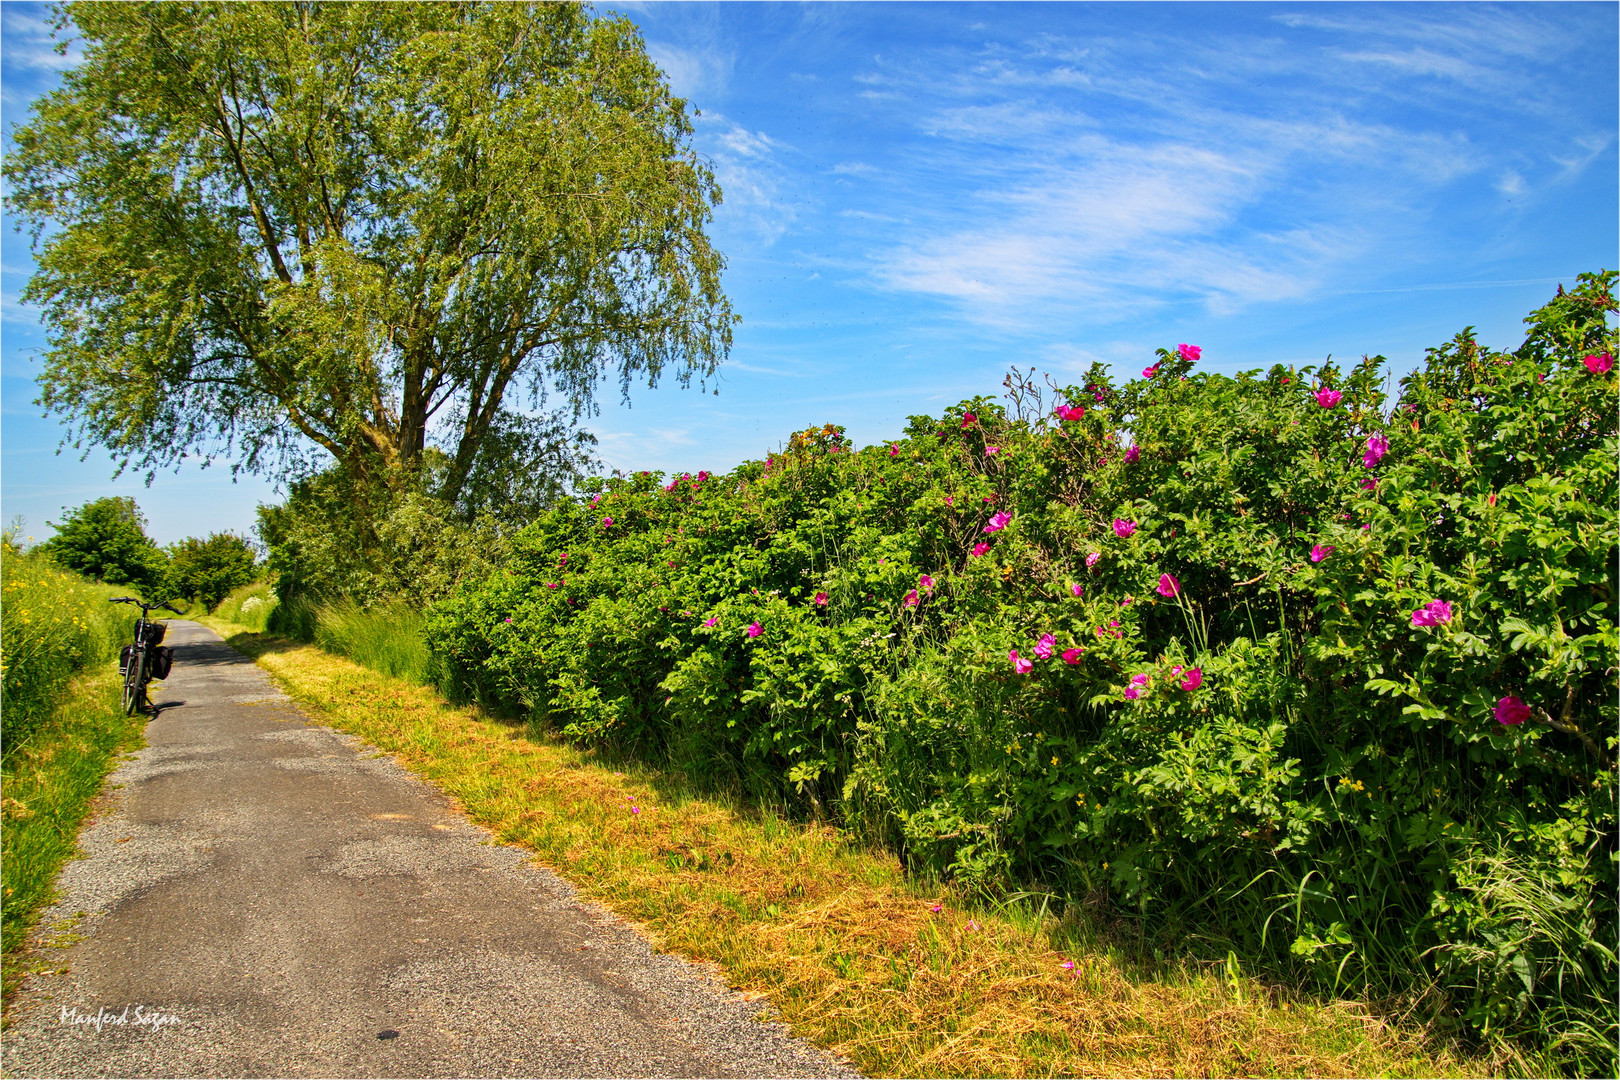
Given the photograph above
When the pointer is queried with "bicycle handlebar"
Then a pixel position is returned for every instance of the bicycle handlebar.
(142, 604)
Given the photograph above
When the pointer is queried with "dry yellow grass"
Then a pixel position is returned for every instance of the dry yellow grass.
(852, 954)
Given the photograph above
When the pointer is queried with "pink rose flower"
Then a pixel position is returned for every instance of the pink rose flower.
(1077, 590)
(998, 522)
(1168, 585)
(1132, 693)
(711, 622)
(894, 450)
(821, 599)
(1320, 552)
(1599, 364)
(1511, 711)
(1140, 679)
(1091, 560)
(1150, 372)
(1123, 528)
(1043, 648)
(992, 450)
(968, 420)
(1071, 656)
(1434, 613)
(1377, 447)
(1132, 455)
(980, 550)
(607, 523)
(754, 629)
(1190, 353)
(1194, 679)
(1020, 665)
(925, 583)
(911, 599)
(1328, 398)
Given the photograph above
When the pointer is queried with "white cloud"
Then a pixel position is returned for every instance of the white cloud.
(1588, 149)
(27, 42)
(1087, 181)
(1511, 184)
(13, 311)
(695, 72)
(755, 183)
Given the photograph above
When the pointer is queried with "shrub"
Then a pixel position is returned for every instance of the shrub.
(1271, 655)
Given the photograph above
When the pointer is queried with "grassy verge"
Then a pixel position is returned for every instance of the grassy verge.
(63, 730)
(904, 979)
(50, 785)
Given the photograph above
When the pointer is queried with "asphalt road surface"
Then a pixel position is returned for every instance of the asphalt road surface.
(266, 897)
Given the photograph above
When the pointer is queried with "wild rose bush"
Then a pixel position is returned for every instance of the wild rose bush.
(1329, 672)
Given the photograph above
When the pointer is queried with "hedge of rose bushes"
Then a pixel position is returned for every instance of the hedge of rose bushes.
(1279, 658)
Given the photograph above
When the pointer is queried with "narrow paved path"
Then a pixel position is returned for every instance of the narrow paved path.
(272, 899)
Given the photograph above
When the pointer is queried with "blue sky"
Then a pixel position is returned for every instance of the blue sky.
(918, 196)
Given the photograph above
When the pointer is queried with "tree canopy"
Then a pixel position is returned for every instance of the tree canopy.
(206, 569)
(398, 233)
(106, 539)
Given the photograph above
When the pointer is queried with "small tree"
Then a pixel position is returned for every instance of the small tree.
(106, 539)
(206, 570)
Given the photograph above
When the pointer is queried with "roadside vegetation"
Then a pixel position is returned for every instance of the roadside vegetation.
(64, 729)
(1284, 673)
(1288, 667)
(905, 975)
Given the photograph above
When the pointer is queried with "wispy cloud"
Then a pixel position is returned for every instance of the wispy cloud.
(28, 44)
(760, 191)
(1227, 170)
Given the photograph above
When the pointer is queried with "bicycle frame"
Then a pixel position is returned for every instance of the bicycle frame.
(139, 671)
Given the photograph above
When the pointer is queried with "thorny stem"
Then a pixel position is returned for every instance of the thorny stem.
(1563, 724)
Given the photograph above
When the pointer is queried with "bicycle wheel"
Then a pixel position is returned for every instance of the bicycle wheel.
(132, 682)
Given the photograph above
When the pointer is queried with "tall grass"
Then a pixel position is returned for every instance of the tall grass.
(386, 639)
(64, 728)
(54, 624)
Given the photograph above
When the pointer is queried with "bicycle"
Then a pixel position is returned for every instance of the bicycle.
(145, 660)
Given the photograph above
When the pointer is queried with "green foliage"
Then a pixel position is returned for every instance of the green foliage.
(250, 605)
(206, 570)
(1237, 722)
(390, 231)
(337, 538)
(106, 540)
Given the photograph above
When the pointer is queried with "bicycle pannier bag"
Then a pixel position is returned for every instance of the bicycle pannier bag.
(162, 661)
(126, 656)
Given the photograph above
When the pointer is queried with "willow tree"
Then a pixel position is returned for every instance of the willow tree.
(395, 233)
